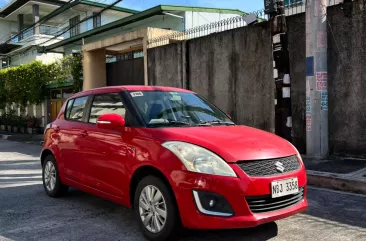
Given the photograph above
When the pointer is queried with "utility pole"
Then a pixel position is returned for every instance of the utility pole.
(281, 68)
(316, 79)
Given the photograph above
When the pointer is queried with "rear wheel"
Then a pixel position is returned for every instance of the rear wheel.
(156, 210)
(51, 178)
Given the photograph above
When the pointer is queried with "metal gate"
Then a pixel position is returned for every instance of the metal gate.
(126, 72)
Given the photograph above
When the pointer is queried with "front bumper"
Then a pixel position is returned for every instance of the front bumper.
(235, 191)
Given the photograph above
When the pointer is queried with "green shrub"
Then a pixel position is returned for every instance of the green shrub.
(26, 84)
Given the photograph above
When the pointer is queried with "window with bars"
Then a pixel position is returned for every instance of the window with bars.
(292, 2)
(97, 20)
(75, 26)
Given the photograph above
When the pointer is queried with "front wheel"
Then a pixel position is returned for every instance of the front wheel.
(156, 210)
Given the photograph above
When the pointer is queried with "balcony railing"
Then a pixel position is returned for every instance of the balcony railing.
(43, 29)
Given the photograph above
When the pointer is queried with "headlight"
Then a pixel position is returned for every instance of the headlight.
(198, 159)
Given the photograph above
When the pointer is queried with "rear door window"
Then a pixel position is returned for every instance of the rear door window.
(76, 112)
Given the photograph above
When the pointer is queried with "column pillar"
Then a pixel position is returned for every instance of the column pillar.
(281, 73)
(94, 67)
(20, 26)
(35, 8)
(316, 79)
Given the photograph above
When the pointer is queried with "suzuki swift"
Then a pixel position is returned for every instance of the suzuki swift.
(174, 158)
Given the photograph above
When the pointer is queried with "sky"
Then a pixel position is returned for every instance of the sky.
(243, 5)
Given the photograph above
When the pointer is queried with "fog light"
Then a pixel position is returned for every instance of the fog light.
(212, 204)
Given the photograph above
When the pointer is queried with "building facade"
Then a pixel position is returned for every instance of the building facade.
(47, 30)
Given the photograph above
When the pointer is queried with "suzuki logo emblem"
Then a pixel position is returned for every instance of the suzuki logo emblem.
(279, 167)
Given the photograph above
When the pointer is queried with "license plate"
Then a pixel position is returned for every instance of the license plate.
(285, 187)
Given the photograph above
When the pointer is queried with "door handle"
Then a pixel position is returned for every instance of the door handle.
(83, 133)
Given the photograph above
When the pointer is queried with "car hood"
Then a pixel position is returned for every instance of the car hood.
(232, 143)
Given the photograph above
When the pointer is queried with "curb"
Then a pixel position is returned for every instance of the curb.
(34, 141)
(337, 183)
(4, 137)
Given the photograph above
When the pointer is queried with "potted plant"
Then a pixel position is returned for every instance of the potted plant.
(2, 124)
(17, 123)
(14, 125)
(34, 125)
(9, 121)
(22, 124)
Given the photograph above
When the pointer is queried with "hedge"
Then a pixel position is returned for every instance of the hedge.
(26, 84)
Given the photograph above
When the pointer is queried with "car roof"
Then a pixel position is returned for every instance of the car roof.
(129, 88)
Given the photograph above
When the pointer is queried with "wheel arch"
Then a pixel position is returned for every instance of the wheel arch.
(44, 154)
(145, 171)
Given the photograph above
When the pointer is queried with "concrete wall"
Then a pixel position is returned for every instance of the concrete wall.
(346, 79)
(233, 69)
(296, 27)
(166, 66)
(6, 29)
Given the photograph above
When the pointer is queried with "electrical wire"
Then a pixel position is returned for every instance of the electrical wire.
(38, 22)
(58, 30)
(58, 26)
(68, 28)
(85, 19)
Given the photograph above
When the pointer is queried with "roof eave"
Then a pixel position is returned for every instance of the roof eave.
(124, 21)
(137, 17)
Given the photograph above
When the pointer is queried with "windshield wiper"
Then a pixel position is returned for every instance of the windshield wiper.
(217, 122)
(171, 123)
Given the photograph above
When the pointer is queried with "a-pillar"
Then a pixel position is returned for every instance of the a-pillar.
(20, 26)
(35, 8)
(94, 67)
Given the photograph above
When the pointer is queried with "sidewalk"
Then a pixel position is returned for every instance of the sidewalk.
(25, 138)
(340, 174)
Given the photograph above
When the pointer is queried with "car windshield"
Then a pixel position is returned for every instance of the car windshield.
(163, 109)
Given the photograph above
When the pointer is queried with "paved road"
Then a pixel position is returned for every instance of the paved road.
(26, 213)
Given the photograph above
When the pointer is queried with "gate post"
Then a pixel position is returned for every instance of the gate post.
(281, 68)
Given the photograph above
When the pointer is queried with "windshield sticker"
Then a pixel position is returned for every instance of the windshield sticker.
(176, 98)
(137, 94)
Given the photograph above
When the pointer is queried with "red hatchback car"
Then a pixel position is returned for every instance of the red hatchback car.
(173, 157)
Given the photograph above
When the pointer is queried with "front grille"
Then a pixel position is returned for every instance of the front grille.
(262, 204)
(260, 168)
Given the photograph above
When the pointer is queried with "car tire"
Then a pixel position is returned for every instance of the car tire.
(51, 178)
(172, 224)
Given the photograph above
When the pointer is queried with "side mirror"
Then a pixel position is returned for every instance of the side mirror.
(111, 122)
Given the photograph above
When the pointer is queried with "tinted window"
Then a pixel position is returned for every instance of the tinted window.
(106, 104)
(68, 109)
(77, 110)
(160, 108)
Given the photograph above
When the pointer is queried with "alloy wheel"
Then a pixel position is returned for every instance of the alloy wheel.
(153, 209)
(50, 176)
